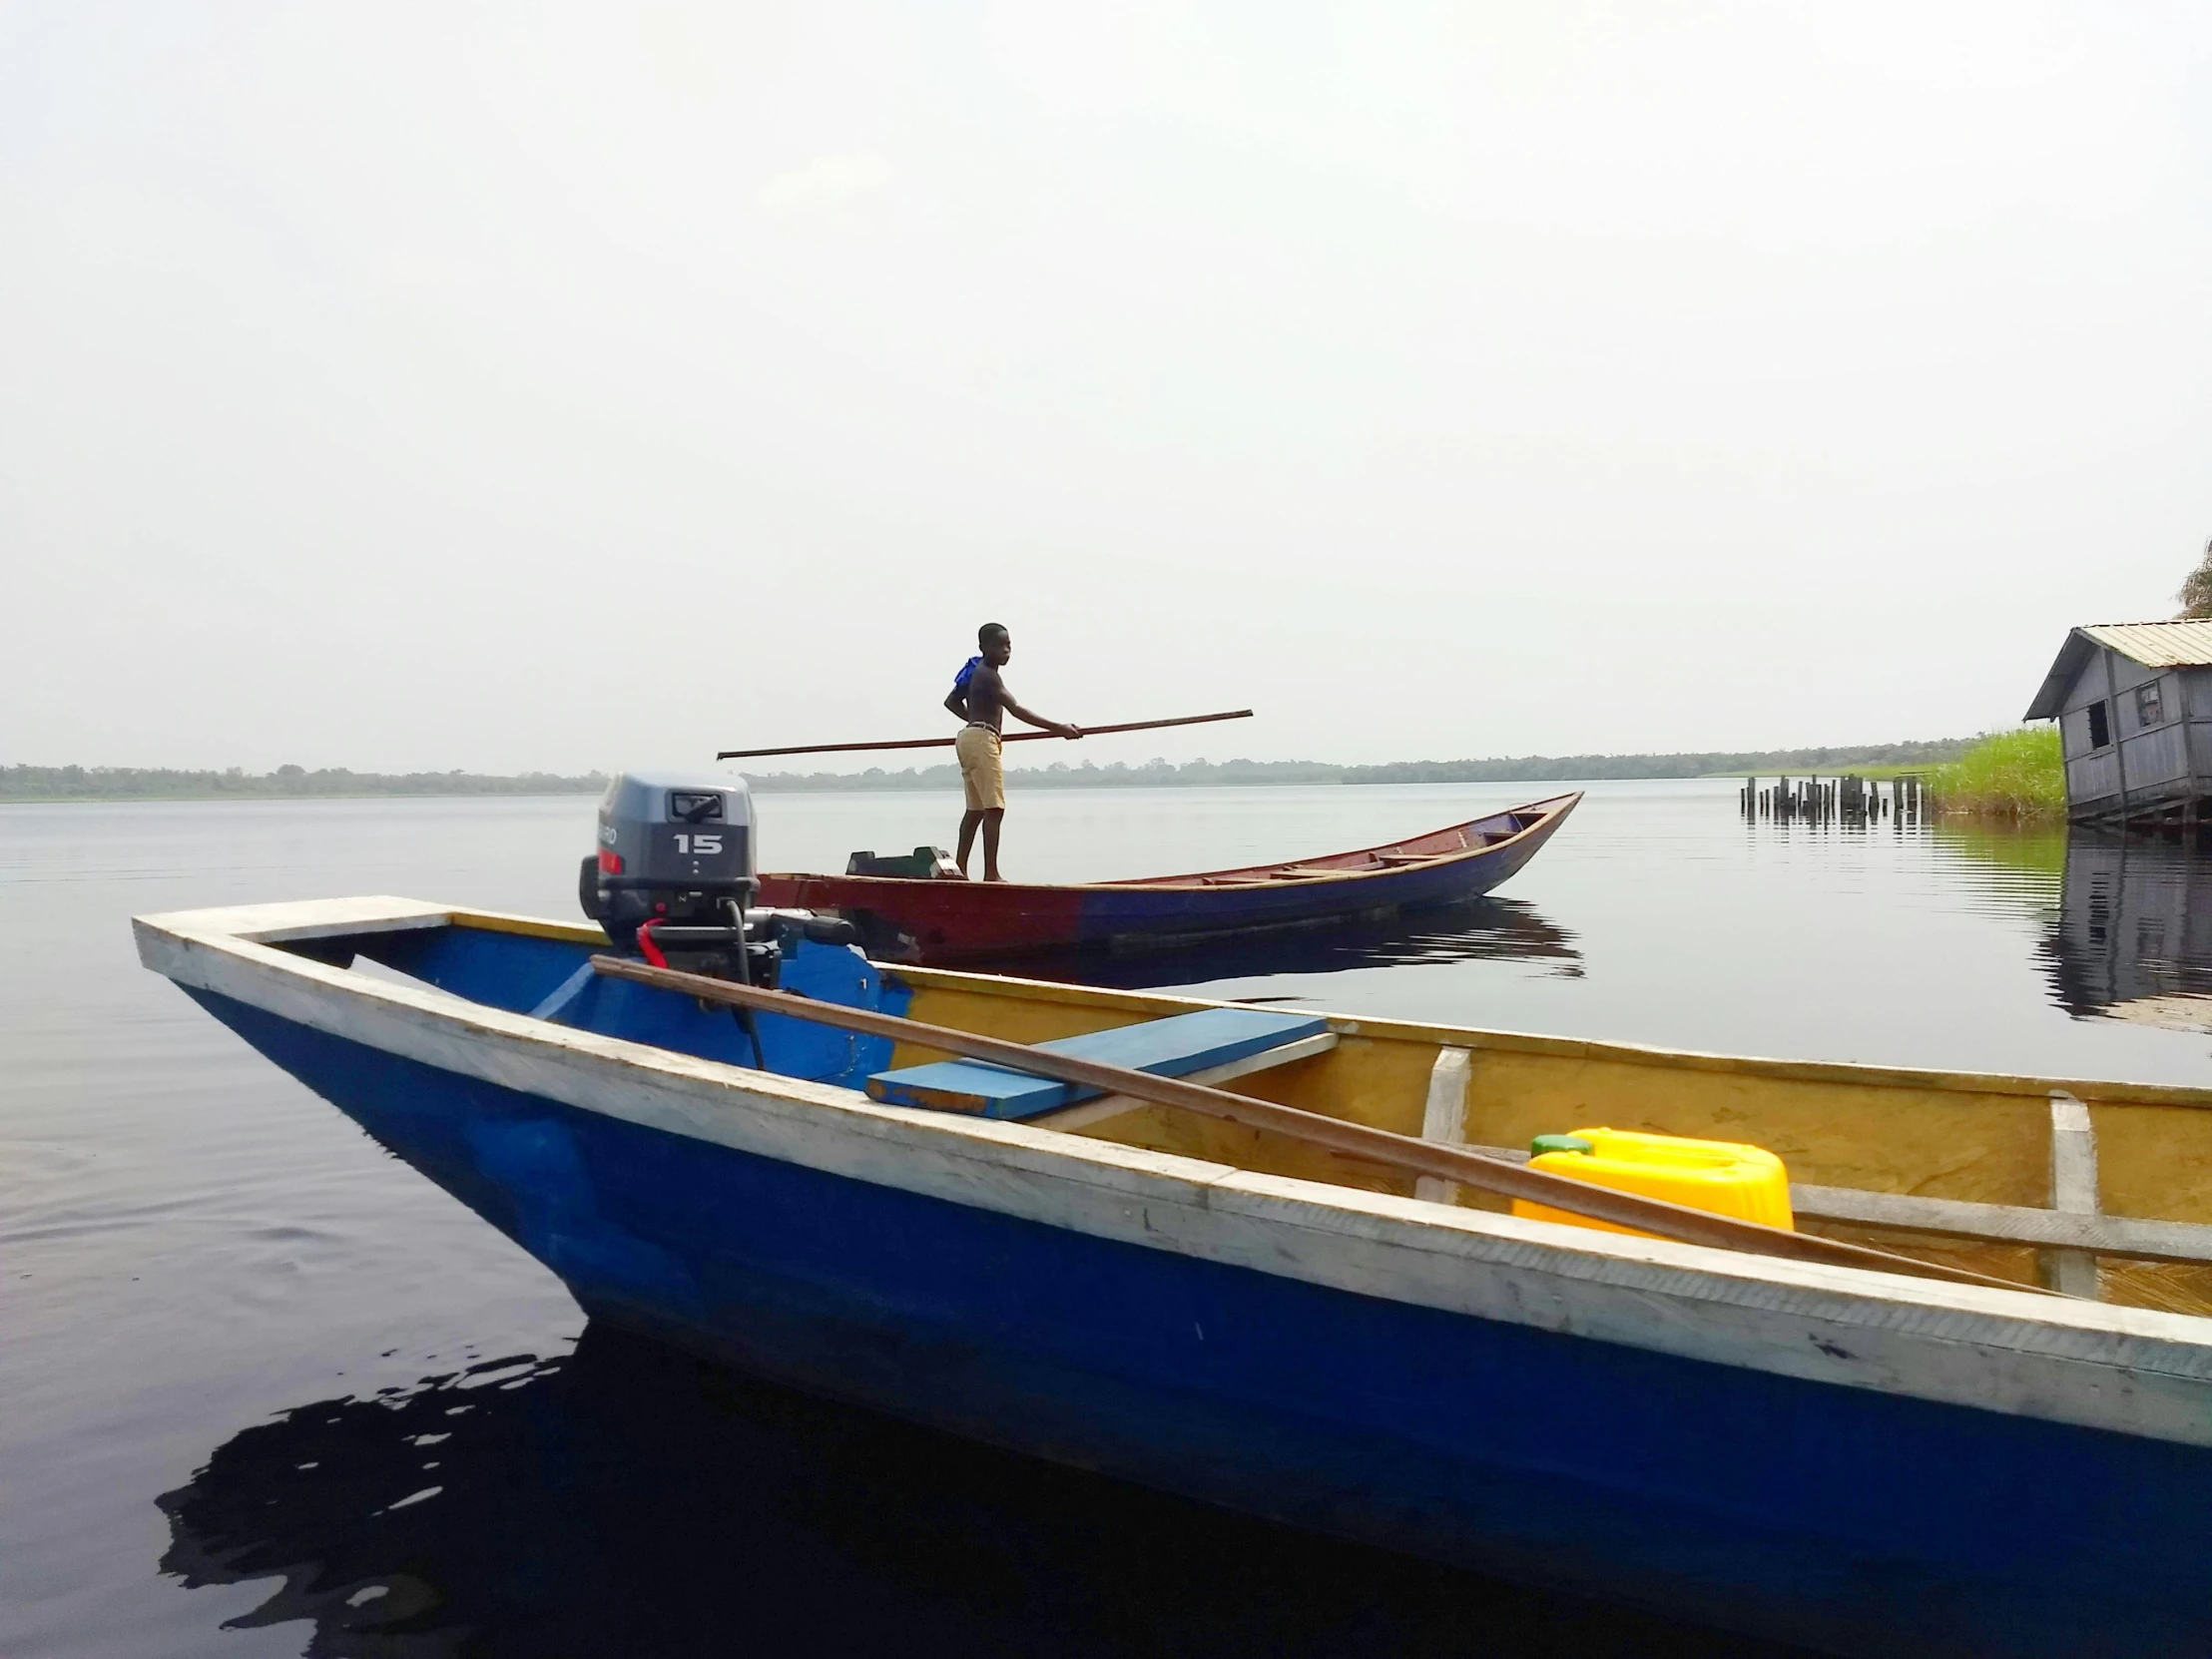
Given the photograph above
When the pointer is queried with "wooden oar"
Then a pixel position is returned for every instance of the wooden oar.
(947, 743)
(1358, 1140)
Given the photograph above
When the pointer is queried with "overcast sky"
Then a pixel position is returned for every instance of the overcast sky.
(508, 386)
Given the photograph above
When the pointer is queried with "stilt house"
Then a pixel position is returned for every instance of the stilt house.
(2133, 703)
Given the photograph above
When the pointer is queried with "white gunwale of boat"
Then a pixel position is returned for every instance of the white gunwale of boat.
(2127, 1369)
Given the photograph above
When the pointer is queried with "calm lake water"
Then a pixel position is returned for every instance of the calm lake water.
(267, 1391)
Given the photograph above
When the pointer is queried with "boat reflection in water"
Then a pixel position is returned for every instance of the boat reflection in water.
(628, 1499)
(1480, 929)
(2134, 934)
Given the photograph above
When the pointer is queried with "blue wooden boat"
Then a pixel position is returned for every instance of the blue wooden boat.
(935, 920)
(1860, 1461)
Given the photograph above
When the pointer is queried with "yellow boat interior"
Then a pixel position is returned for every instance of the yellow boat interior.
(2061, 1183)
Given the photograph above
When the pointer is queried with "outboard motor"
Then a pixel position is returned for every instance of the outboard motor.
(673, 880)
(676, 865)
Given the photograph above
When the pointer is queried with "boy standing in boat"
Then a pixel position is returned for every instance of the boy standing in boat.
(979, 698)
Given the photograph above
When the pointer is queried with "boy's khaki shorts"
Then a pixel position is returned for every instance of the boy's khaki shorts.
(982, 774)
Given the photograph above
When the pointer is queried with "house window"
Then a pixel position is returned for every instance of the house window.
(2147, 711)
(2100, 729)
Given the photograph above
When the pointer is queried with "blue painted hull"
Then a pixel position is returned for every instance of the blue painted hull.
(1853, 1521)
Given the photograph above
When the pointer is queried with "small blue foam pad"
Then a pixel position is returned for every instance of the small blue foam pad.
(1171, 1047)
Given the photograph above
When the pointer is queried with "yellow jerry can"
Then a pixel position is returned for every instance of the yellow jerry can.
(1730, 1179)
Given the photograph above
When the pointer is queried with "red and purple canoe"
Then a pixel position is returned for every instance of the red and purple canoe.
(951, 920)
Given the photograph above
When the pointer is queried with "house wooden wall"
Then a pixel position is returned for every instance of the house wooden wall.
(2160, 754)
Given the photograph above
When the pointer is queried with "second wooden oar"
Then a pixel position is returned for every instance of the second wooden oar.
(947, 743)
(1358, 1140)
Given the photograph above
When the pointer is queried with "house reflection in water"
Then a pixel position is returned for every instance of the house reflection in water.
(2134, 937)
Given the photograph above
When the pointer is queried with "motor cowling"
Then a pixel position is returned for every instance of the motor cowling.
(676, 860)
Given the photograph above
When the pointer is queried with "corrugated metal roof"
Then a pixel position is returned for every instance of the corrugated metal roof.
(2153, 644)
(2157, 644)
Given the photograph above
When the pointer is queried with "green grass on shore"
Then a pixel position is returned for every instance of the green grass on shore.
(2008, 774)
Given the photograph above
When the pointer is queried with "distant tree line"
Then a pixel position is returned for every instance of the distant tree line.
(28, 782)
(1153, 774)
(1524, 768)
(1705, 764)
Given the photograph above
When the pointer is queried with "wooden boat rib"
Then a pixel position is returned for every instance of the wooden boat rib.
(1855, 1461)
(939, 920)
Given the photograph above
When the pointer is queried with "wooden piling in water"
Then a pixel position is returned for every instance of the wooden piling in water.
(1844, 800)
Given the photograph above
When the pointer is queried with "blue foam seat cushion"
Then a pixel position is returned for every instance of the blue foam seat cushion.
(1171, 1047)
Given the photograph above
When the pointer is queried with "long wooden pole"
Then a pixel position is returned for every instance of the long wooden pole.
(1358, 1140)
(947, 743)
